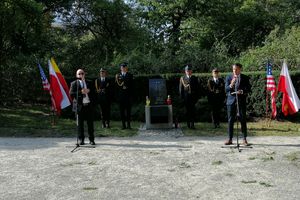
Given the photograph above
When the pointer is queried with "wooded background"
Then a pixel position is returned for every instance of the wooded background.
(153, 36)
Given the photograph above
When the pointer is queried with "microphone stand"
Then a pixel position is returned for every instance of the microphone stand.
(238, 119)
(77, 120)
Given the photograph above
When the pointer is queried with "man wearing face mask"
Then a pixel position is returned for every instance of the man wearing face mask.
(81, 90)
(237, 86)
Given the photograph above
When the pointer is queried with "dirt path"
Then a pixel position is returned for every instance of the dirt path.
(149, 166)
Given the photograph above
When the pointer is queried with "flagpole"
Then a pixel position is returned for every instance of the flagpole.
(267, 98)
(52, 119)
(268, 114)
(52, 107)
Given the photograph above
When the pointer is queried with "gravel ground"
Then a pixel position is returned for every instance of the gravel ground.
(153, 165)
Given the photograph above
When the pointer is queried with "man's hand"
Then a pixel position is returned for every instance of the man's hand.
(233, 81)
(85, 91)
(240, 92)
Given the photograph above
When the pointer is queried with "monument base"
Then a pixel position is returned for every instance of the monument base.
(159, 116)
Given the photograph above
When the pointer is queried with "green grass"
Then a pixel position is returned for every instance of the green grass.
(249, 182)
(219, 162)
(265, 184)
(90, 188)
(258, 128)
(293, 156)
(37, 121)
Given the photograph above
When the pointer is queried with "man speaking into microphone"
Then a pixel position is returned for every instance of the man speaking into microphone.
(237, 86)
(81, 90)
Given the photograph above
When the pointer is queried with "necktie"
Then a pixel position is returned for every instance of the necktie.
(237, 84)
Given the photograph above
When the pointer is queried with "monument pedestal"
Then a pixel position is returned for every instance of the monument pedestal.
(159, 116)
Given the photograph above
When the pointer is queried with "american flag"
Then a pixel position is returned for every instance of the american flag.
(271, 86)
(46, 85)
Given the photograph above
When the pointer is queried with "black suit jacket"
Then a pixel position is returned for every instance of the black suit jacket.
(244, 85)
(76, 88)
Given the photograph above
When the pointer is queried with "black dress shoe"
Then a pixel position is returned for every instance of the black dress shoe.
(123, 128)
(228, 142)
(92, 143)
(81, 143)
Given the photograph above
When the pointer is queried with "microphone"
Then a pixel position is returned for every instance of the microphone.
(235, 77)
(233, 81)
(237, 92)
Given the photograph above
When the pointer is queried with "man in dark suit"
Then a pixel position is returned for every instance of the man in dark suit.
(216, 96)
(188, 90)
(237, 86)
(124, 81)
(81, 91)
(103, 93)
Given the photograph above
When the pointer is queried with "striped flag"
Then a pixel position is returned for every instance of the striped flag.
(59, 76)
(271, 86)
(60, 96)
(46, 85)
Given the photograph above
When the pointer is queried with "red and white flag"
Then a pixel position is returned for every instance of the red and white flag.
(290, 100)
(59, 94)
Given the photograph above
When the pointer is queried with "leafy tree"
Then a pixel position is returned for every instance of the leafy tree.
(277, 47)
(103, 29)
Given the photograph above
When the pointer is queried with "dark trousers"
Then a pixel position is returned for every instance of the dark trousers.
(231, 112)
(86, 114)
(105, 112)
(125, 111)
(190, 112)
(216, 108)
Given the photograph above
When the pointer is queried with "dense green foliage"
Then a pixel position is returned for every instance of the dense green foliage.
(153, 36)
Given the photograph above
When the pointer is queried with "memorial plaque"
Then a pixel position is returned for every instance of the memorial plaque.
(157, 91)
(159, 114)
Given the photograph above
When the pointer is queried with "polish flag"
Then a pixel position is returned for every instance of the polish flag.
(61, 98)
(290, 100)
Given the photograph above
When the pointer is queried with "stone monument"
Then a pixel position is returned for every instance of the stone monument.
(158, 114)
